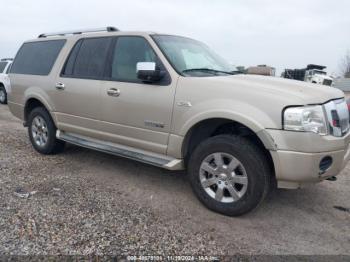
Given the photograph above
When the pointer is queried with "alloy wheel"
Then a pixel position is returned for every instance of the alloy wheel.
(223, 177)
(40, 131)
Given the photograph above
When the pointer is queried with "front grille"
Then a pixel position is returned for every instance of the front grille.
(327, 82)
(338, 117)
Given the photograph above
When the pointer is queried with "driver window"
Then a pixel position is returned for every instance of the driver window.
(129, 50)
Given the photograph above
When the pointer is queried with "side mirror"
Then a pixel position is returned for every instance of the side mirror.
(147, 72)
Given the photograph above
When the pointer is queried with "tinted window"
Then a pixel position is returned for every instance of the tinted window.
(90, 59)
(68, 69)
(37, 58)
(128, 52)
(2, 66)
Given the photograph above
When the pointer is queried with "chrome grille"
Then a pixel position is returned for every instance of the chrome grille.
(337, 117)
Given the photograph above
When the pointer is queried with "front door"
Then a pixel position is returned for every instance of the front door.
(135, 113)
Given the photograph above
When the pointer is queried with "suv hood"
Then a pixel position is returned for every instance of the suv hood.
(247, 98)
(298, 92)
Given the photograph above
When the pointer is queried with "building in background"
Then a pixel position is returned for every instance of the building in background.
(261, 70)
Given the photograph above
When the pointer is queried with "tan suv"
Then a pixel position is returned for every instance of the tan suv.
(171, 102)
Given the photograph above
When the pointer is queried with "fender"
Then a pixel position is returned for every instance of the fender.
(40, 95)
(246, 114)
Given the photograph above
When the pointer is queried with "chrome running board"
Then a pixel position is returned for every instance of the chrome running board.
(123, 151)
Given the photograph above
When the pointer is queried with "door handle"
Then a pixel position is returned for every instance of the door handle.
(60, 86)
(113, 92)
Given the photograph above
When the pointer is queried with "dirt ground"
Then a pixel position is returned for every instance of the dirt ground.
(86, 202)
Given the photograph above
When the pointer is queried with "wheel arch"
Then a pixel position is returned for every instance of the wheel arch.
(210, 127)
(33, 102)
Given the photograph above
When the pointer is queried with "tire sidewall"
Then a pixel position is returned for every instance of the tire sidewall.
(246, 153)
(4, 90)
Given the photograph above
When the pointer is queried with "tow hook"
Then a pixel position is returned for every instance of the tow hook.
(332, 178)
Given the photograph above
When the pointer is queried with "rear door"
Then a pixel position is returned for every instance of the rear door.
(77, 97)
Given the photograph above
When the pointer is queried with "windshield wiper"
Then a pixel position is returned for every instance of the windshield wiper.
(207, 70)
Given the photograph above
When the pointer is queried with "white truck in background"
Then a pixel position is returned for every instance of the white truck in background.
(315, 74)
(5, 65)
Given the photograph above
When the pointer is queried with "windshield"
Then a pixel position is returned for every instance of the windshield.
(319, 72)
(192, 58)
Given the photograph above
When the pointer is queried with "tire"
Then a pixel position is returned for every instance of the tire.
(3, 95)
(47, 129)
(250, 179)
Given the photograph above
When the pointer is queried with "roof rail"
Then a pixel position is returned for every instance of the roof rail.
(78, 32)
(6, 59)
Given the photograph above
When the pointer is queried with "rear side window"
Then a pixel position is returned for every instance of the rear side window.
(69, 67)
(88, 58)
(2, 66)
(37, 58)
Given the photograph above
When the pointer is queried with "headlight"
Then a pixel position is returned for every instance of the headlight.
(306, 119)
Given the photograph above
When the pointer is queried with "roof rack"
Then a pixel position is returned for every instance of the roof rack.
(78, 32)
(6, 59)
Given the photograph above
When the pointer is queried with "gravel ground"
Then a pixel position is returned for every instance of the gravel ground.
(85, 202)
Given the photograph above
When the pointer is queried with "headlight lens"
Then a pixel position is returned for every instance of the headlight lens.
(306, 118)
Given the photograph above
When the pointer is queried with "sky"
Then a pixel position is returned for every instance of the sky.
(283, 34)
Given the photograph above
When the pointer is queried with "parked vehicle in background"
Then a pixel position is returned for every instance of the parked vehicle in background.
(5, 65)
(171, 102)
(312, 73)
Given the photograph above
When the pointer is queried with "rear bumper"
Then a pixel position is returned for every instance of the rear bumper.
(295, 169)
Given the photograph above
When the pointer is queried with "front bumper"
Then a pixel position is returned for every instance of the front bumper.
(298, 155)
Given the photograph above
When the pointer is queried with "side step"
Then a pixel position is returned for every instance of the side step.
(154, 159)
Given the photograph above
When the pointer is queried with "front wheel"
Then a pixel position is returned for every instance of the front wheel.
(229, 174)
(42, 132)
(3, 95)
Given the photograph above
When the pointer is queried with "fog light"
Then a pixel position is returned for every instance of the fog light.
(325, 163)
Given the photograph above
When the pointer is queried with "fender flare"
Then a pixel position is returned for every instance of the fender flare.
(250, 123)
(37, 96)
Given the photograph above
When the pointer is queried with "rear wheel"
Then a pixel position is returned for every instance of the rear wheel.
(229, 174)
(3, 95)
(42, 132)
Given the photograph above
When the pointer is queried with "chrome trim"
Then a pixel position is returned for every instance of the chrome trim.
(145, 66)
(123, 151)
(113, 92)
(77, 32)
(60, 86)
(184, 103)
